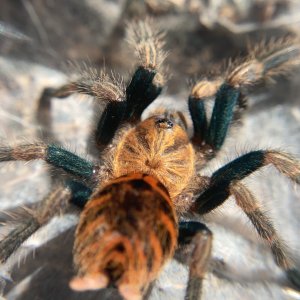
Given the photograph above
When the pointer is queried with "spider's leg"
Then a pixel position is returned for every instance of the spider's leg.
(123, 104)
(144, 87)
(99, 85)
(64, 91)
(229, 91)
(263, 225)
(198, 238)
(218, 189)
(16, 237)
(44, 103)
(43, 114)
(61, 92)
(52, 154)
(225, 182)
(80, 193)
(104, 89)
(147, 81)
(54, 204)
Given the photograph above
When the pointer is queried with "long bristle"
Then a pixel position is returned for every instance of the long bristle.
(147, 42)
(206, 88)
(108, 88)
(97, 83)
(266, 61)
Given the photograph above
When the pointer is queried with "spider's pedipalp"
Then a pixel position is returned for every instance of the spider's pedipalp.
(205, 88)
(265, 66)
(126, 104)
(52, 154)
(278, 54)
(277, 58)
(228, 98)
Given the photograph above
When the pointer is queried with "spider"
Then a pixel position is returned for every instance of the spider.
(137, 199)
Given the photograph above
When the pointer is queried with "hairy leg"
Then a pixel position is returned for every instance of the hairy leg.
(53, 155)
(57, 202)
(226, 181)
(264, 63)
(218, 189)
(122, 103)
(198, 238)
(264, 227)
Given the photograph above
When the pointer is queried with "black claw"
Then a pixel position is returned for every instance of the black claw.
(294, 277)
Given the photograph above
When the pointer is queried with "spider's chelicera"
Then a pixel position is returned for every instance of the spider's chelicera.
(133, 201)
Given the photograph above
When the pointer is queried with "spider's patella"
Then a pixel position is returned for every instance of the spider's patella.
(133, 201)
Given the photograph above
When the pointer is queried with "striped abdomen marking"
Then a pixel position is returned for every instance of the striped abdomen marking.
(126, 233)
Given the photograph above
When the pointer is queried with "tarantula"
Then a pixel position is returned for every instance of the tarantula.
(136, 199)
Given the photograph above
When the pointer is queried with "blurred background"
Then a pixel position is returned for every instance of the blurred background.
(38, 38)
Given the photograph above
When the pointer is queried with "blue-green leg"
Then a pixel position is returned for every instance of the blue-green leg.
(222, 115)
(54, 155)
(226, 181)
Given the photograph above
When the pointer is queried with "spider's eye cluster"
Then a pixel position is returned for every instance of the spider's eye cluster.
(164, 123)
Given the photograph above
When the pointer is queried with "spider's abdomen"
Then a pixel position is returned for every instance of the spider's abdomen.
(126, 233)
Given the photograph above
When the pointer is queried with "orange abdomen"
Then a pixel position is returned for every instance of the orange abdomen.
(126, 233)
